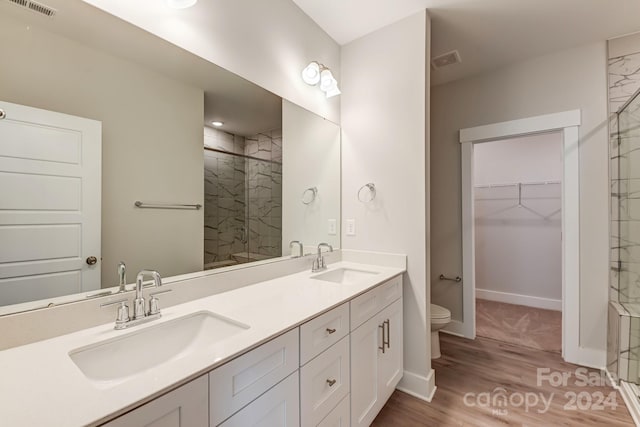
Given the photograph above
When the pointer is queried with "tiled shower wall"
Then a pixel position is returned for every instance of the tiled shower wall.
(264, 208)
(623, 339)
(224, 196)
(243, 197)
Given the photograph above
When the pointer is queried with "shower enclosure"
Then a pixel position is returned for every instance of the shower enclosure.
(623, 338)
(243, 198)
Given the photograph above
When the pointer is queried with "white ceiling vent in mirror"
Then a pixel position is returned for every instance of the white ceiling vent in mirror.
(35, 7)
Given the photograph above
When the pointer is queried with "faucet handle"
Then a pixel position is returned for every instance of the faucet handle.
(122, 315)
(154, 303)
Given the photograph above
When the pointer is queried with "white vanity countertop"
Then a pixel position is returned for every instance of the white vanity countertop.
(41, 386)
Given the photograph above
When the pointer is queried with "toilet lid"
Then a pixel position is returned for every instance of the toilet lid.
(438, 312)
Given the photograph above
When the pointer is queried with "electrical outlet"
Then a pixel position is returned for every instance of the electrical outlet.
(351, 227)
(332, 227)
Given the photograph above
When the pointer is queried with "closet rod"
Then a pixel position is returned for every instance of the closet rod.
(516, 184)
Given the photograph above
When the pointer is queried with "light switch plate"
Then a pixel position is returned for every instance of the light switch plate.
(332, 227)
(351, 227)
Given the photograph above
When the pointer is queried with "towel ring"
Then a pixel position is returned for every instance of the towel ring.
(309, 195)
(372, 193)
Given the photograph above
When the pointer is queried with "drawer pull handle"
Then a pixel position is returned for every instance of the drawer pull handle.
(330, 330)
(388, 341)
(384, 341)
(331, 382)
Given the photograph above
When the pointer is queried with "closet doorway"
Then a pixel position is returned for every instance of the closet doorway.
(518, 234)
(566, 123)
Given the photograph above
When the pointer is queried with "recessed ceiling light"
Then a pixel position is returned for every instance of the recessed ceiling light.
(217, 124)
(180, 4)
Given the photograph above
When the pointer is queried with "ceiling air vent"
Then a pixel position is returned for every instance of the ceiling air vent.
(445, 59)
(35, 7)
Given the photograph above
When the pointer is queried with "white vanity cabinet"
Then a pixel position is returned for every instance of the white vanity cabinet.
(186, 406)
(376, 351)
(336, 370)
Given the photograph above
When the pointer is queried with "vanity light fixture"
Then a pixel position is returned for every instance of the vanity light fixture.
(180, 4)
(311, 73)
(217, 124)
(315, 73)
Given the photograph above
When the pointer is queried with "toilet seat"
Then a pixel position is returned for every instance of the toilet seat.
(440, 314)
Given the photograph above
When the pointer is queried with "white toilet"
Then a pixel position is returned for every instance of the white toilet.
(440, 317)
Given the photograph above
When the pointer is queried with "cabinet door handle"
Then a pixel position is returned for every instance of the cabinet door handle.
(388, 343)
(330, 330)
(381, 326)
(331, 382)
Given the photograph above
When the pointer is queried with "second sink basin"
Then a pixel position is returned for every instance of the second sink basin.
(113, 361)
(345, 276)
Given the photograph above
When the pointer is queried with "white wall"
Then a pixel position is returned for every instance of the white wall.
(526, 159)
(144, 116)
(384, 111)
(310, 158)
(571, 79)
(518, 249)
(266, 42)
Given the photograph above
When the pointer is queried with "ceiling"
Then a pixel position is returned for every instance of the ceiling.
(488, 33)
(245, 108)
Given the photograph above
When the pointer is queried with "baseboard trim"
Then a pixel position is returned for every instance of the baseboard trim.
(456, 328)
(529, 301)
(630, 401)
(423, 388)
(589, 357)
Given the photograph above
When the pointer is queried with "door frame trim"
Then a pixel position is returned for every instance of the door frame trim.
(568, 123)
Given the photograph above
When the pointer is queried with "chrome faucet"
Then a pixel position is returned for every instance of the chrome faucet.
(300, 248)
(318, 263)
(140, 315)
(122, 276)
(138, 303)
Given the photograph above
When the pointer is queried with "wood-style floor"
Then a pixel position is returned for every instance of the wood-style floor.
(472, 367)
(519, 325)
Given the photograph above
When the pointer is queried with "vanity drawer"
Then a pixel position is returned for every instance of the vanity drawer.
(235, 384)
(324, 382)
(280, 406)
(368, 304)
(340, 416)
(322, 332)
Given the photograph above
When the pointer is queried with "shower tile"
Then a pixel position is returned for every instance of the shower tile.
(277, 134)
(624, 79)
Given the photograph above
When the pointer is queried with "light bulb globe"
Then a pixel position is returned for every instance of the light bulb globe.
(311, 73)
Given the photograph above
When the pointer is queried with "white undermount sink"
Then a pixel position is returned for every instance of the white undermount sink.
(113, 361)
(345, 276)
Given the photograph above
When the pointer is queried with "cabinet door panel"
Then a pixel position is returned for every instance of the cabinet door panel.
(391, 361)
(278, 407)
(187, 406)
(365, 341)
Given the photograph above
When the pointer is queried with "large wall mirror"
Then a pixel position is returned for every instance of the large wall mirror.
(98, 115)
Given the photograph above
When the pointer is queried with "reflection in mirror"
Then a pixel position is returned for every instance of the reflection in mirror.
(101, 115)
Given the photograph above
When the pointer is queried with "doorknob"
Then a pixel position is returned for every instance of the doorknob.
(2, 114)
(92, 260)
